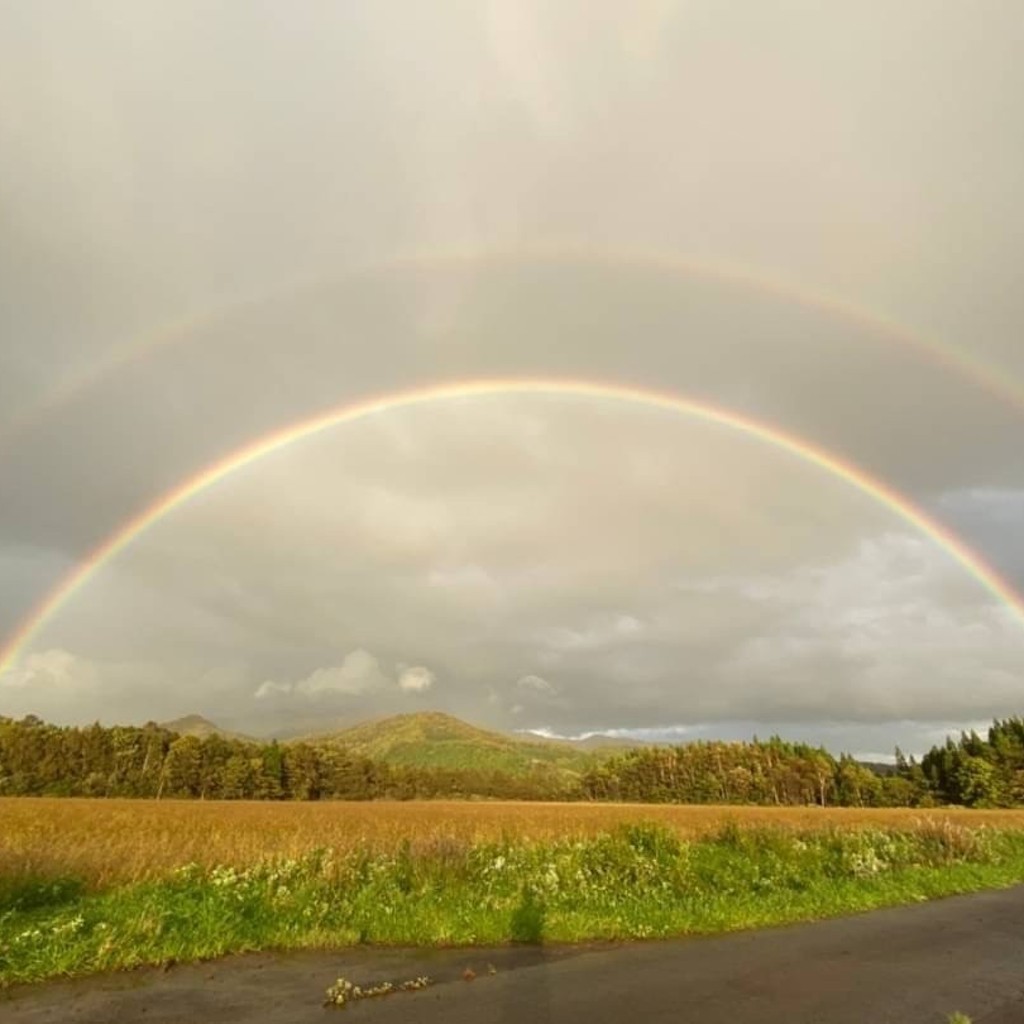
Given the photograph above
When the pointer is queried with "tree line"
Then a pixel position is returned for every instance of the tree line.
(39, 759)
(772, 772)
(971, 772)
(974, 771)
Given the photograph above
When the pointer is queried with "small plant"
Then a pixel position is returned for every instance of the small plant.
(958, 1018)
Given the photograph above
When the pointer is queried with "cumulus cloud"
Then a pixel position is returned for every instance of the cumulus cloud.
(46, 671)
(416, 679)
(269, 688)
(64, 686)
(359, 674)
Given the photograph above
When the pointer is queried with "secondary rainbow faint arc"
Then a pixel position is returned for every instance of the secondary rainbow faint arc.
(278, 439)
(954, 359)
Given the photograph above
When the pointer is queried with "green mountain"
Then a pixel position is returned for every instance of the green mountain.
(431, 739)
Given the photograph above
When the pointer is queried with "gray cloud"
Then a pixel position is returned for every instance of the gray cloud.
(558, 567)
(189, 268)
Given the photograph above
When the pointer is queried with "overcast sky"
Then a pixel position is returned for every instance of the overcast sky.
(218, 220)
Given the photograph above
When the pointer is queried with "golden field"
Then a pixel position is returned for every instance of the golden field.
(107, 842)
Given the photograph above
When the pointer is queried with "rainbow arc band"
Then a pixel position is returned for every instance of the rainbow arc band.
(830, 463)
(955, 360)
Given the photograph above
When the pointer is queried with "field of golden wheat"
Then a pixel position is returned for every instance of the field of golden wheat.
(111, 842)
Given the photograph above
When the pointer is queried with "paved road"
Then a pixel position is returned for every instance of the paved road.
(913, 965)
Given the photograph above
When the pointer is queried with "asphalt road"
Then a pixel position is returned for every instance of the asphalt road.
(912, 965)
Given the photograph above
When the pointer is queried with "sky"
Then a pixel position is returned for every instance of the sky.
(221, 221)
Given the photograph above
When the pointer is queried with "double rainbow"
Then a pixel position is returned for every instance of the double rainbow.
(561, 255)
(275, 441)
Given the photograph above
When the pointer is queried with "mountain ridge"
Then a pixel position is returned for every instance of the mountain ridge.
(436, 739)
(439, 740)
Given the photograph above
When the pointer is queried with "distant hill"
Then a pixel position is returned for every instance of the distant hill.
(431, 739)
(609, 744)
(196, 725)
(598, 743)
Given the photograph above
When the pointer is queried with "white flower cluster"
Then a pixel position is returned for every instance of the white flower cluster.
(275, 879)
(869, 852)
(865, 863)
(61, 929)
(224, 877)
(601, 870)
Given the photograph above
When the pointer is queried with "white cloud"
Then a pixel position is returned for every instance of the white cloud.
(536, 683)
(269, 688)
(416, 679)
(66, 687)
(55, 668)
(654, 734)
(360, 673)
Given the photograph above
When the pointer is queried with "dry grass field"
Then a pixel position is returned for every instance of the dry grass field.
(330, 875)
(112, 842)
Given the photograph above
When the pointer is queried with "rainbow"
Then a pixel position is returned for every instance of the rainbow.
(955, 360)
(282, 438)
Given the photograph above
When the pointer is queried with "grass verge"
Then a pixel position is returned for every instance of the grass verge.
(637, 881)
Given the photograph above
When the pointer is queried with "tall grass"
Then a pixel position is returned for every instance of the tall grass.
(114, 842)
(636, 880)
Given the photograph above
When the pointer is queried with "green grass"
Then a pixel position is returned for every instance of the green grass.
(637, 882)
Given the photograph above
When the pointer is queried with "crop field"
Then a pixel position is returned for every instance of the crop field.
(111, 842)
(94, 885)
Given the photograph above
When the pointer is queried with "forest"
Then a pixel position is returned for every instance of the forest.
(40, 759)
